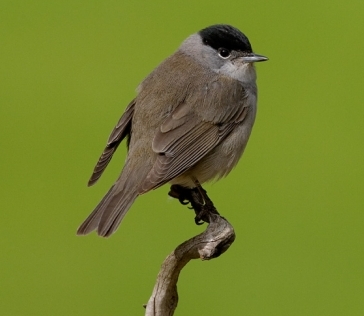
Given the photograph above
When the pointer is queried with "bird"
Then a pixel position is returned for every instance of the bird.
(190, 120)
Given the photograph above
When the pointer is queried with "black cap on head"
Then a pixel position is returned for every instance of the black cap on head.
(225, 36)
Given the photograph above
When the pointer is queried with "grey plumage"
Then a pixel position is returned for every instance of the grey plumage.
(192, 118)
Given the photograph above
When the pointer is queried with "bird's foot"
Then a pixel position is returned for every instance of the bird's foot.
(181, 193)
(200, 202)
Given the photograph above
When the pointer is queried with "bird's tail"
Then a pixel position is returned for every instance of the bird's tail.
(107, 215)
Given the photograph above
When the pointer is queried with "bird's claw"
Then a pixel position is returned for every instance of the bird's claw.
(180, 193)
(198, 219)
(200, 202)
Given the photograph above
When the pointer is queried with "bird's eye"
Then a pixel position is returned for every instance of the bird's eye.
(224, 53)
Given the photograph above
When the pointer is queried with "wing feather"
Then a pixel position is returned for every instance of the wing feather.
(122, 129)
(180, 143)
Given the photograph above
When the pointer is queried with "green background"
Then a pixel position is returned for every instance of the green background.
(67, 71)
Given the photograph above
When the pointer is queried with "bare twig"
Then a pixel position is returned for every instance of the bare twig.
(214, 241)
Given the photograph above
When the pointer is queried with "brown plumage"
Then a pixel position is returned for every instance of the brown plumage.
(178, 129)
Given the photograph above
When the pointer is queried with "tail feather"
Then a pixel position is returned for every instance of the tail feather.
(92, 221)
(114, 211)
(108, 214)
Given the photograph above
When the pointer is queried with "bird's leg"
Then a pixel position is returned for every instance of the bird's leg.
(200, 202)
(206, 208)
(186, 196)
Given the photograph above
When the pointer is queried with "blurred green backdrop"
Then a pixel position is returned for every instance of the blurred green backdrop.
(68, 70)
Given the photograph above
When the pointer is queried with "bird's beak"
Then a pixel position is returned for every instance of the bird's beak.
(254, 58)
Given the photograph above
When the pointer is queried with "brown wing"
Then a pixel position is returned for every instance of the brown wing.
(181, 142)
(196, 127)
(122, 129)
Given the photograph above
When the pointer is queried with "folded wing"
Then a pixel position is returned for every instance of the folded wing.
(119, 132)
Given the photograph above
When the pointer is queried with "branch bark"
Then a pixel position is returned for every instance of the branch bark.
(214, 241)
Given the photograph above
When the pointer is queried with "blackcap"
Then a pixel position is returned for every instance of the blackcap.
(191, 120)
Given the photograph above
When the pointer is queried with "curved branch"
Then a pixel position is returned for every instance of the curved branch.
(214, 241)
